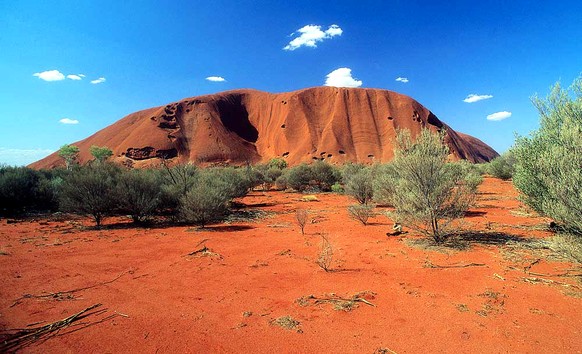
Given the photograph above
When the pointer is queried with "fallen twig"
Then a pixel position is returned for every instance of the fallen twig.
(340, 303)
(16, 339)
(63, 295)
(429, 264)
(567, 274)
(534, 280)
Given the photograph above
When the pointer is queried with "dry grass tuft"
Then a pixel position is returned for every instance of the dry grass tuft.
(287, 322)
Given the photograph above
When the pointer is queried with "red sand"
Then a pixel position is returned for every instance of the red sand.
(172, 302)
(321, 123)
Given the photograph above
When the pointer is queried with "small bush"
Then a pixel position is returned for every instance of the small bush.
(176, 182)
(325, 257)
(503, 166)
(205, 202)
(91, 190)
(361, 212)
(427, 192)
(24, 190)
(337, 188)
(360, 185)
(139, 193)
(234, 181)
(317, 176)
(548, 169)
(301, 216)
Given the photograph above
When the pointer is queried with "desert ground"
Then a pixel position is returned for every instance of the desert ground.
(252, 284)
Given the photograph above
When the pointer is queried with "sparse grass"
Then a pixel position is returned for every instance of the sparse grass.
(287, 322)
(3, 252)
(462, 307)
(567, 245)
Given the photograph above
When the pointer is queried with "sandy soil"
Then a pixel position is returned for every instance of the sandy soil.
(260, 269)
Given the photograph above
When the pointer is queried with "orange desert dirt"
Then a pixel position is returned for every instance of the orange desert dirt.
(249, 126)
(495, 296)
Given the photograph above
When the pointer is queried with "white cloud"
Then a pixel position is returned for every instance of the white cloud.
(22, 157)
(342, 77)
(75, 77)
(68, 121)
(50, 75)
(311, 34)
(98, 81)
(402, 79)
(215, 78)
(474, 98)
(499, 115)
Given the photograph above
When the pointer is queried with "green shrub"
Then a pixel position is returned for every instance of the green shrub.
(317, 176)
(349, 169)
(207, 201)
(176, 182)
(234, 181)
(503, 166)
(299, 177)
(360, 185)
(91, 190)
(324, 175)
(69, 153)
(140, 193)
(337, 188)
(24, 190)
(427, 192)
(548, 170)
(100, 153)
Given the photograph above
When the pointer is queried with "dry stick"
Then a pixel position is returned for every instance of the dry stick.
(432, 265)
(23, 337)
(60, 294)
(567, 274)
(549, 281)
(201, 250)
(337, 298)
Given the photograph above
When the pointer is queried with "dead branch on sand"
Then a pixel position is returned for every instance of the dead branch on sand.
(338, 302)
(429, 264)
(536, 280)
(16, 339)
(63, 295)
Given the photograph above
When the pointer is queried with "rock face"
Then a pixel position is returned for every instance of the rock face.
(248, 126)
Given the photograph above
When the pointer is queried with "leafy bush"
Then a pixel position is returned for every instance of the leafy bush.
(234, 181)
(548, 169)
(207, 201)
(23, 190)
(350, 169)
(337, 188)
(361, 212)
(69, 153)
(176, 182)
(91, 190)
(426, 191)
(360, 185)
(317, 176)
(100, 153)
(503, 166)
(139, 193)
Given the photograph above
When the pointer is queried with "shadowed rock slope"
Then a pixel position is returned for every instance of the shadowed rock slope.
(240, 126)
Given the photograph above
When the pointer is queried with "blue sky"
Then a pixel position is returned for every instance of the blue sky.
(141, 54)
